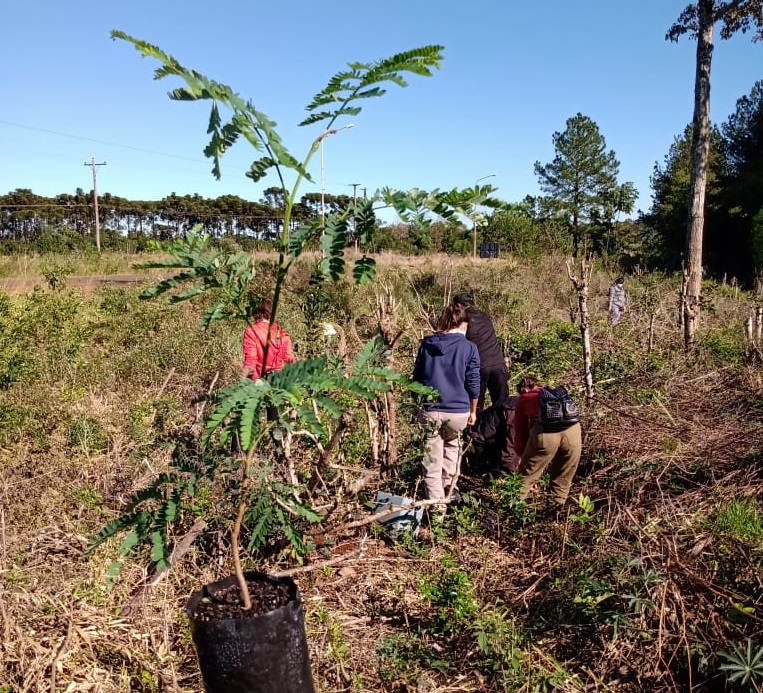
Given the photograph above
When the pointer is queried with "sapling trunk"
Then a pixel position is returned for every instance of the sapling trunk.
(236, 531)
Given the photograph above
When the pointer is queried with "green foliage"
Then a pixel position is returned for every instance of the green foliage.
(86, 434)
(15, 346)
(451, 592)
(305, 395)
(15, 420)
(151, 511)
(741, 518)
(466, 515)
(670, 183)
(515, 230)
(581, 181)
(592, 595)
(87, 496)
(402, 655)
(504, 493)
(362, 79)
(62, 239)
(743, 664)
(724, 347)
(613, 363)
(41, 336)
(500, 643)
(301, 395)
(224, 275)
(55, 274)
(337, 646)
(419, 209)
(607, 589)
(405, 540)
(549, 354)
(337, 99)
(586, 506)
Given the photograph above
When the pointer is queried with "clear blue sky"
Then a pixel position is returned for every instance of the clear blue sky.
(513, 73)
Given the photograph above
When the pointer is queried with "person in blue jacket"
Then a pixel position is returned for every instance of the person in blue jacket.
(450, 363)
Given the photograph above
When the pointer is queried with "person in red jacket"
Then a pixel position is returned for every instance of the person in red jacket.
(539, 449)
(256, 336)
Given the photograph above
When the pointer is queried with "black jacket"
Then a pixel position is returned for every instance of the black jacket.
(480, 330)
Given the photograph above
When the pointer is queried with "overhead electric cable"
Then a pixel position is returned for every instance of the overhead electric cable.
(109, 144)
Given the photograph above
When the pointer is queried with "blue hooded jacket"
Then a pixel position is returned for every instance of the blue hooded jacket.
(450, 363)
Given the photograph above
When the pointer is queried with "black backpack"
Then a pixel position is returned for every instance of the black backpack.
(488, 435)
(557, 410)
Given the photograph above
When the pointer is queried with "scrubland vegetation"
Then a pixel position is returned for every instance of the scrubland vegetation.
(651, 582)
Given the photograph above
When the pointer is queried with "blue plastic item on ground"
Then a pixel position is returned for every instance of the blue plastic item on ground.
(408, 519)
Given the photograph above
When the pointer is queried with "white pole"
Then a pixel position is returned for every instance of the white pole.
(322, 137)
(474, 229)
(323, 200)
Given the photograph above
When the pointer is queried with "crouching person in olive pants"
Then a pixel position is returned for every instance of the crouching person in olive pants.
(559, 452)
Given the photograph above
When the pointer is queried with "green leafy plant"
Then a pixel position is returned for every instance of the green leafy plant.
(305, 397)
(500, 642)
(586, 507)
(744, 664)
(149, 511)
(401, 656)
(505, 495)
(451, 592)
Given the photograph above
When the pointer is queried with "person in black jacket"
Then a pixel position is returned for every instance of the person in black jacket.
(494, 375)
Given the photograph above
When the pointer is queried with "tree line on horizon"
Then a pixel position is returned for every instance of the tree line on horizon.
(580, 207)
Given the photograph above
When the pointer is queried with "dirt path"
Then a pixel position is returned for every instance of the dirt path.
(23, 285)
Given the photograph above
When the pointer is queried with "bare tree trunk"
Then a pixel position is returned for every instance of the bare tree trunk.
(581, 286)
(650, 334)
(691, 287)
(384, 407)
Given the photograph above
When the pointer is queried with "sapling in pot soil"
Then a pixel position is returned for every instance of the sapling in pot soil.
(302, 399)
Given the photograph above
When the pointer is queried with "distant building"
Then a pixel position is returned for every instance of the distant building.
(490, 249)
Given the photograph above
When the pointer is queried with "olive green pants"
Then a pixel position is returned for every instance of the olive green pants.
(560, 452)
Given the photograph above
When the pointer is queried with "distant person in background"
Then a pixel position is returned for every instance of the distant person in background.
(617, 300)
(494, 375)
(450, 363)
(256, 336)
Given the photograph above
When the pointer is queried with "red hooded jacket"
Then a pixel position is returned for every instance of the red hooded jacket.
(525, 416)
(280, 350)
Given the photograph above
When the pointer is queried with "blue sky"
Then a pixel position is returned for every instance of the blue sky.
(513, 73)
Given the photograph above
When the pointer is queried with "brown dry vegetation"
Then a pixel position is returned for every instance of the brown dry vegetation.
(639, 595)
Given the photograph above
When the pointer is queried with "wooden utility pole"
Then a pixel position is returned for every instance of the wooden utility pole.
(95, 202)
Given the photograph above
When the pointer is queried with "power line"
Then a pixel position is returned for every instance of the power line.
(108, 144)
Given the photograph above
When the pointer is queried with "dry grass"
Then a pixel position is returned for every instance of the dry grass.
(665, 449)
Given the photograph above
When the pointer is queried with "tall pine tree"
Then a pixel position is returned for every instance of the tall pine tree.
(581, 181)
(743, 148)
